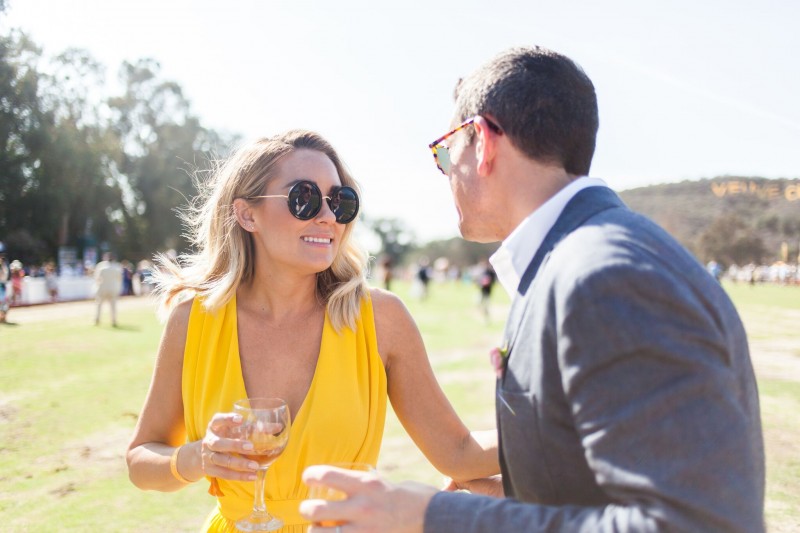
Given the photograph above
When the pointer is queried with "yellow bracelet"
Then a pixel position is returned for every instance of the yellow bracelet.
(173, 466)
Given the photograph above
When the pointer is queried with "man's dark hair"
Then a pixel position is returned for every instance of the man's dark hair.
(542, 100)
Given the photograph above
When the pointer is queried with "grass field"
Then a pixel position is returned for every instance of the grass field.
(69, 394)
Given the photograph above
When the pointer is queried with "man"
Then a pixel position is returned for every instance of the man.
(108, 286)
(486, 280)
(5, 277)
(336, 203)
(627, 400)
(302, 204)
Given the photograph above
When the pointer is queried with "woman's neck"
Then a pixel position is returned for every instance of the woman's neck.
(279, 299)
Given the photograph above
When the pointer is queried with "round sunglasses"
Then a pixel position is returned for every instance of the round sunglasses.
(305, 201)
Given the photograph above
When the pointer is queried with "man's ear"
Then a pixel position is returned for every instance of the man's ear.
(486, 140)
(244, 214)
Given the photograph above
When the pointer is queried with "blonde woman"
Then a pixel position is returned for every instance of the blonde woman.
(279, 307)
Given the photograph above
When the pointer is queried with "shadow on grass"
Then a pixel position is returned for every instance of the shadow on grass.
(120, 327)
(125, 327)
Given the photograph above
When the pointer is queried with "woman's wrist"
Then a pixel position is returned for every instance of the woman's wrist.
(173, 466)
(191, 462)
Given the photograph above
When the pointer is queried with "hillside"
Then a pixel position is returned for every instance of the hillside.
(729, 219)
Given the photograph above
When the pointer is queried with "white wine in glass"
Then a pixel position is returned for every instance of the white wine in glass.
(266, 424)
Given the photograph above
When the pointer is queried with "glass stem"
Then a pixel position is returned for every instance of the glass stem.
(258, 501)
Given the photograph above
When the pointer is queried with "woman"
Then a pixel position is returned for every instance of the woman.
(281, 308)
(5, 275)
(51, 281)
(17, 275)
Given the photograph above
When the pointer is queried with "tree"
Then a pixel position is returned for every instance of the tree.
(21, 137)
(75, 176)
(160, 138)
(397, 240)
(54, 153)
(80, 169)
(459, 252)
(729, 240)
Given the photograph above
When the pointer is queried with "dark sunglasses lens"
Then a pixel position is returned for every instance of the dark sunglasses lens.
(305, 200)
(344, 204)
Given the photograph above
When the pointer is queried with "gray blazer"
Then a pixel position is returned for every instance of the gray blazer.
(629, 401)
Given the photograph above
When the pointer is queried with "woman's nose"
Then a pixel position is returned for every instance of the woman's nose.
(326, 214)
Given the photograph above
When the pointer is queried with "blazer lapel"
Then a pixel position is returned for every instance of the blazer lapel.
(584, 205)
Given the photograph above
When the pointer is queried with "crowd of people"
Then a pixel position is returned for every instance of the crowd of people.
(107, 281)
(780, 272)
(136, 279)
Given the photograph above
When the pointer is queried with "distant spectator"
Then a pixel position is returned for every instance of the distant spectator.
(108, 286)
(145, 271)
(386, 273)
(5, 277)
(127, 279)
(486, 280)
(51, 281)
(17, 275)
(453, 273)
(423, 278)
(714, 269)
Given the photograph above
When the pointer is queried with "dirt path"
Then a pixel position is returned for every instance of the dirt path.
(46, 312)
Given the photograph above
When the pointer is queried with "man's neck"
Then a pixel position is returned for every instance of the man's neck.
(530, 184)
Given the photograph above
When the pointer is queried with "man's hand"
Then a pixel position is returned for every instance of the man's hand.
(488, 486)
(372, 505)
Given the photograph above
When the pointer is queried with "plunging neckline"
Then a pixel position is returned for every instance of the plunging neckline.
(301, 412)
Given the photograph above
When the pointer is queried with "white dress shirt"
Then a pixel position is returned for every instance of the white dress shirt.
(517, 250)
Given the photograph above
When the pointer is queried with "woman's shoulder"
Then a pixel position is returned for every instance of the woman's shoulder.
(391, 315)
(385, 302)
(180, 314)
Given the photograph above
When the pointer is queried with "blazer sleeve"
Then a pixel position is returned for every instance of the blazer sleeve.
(668, 422)
(449, 512)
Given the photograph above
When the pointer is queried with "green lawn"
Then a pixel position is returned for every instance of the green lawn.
(69, 394)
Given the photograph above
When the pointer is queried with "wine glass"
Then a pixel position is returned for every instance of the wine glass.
(321, 492)
(265, 423)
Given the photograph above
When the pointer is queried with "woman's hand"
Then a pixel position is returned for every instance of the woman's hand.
(487, 486)
(221, 451)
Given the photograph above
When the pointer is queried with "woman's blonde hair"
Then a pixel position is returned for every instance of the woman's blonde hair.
(225, 253)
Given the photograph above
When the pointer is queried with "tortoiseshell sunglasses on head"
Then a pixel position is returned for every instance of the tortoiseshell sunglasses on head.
(441, 152)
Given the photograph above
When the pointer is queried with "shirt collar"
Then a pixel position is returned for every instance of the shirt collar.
(517, 250)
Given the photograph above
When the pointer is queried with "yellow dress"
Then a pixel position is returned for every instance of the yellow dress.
(340, 420)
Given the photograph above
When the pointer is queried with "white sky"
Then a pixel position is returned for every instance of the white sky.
(687, 89)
